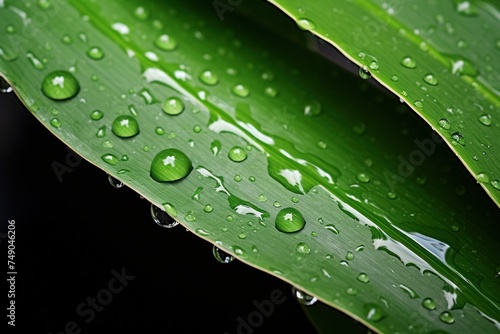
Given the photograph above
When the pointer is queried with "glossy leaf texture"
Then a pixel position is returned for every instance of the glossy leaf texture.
(441, 57)
(288, 163)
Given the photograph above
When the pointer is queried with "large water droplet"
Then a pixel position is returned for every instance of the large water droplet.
(162, 218)
(222, 256)
(362, 177)
(306, 24)
(483, 177)
(209, 78)
(170, 165)
(374, 312)
(303, 248)
(429, 304)
(125, 126)
(289, 220)
(237, 154)
(447, 317)
(60, 85)
(95, 53)
(408, 62)
(303, 298)
(173, 106)
(166, 43)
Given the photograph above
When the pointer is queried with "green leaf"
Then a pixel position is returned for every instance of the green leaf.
(392, 221)
(441, 57)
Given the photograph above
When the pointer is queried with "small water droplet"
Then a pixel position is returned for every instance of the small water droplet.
(44, 4)
(483, 177)
(173, 106)
(351, 291)
(96, 115)
(485, 119)
(125, 126)
(237, 154)
(363, 278)
(374, 312)
(409, 62)
(271, 91)
(431, 80)
(303, 298)
(312, 109)
(190, 217)
(222, 256)
(56, 123)
(294, 199)
(209, 78)
(170, 165)
(35, 61)
(115, 182)
(362, 177)
(409, 291)
(349, 256)
(208, 208)
(429, 304)
(303, 248)
(240, 90)
(162, 218)
(360, 248)
(141, 13)
(242, 236)
(364, 73)
(262, 198)
(110, 159)
(391, 195)
(306, 24)
(95, 53)
(238, 178)
(197, 129)
(252, 178)
(444, 124)
(166, 43)
(321, 144)
(332, 228)
(277, 204)
(394, 78)
(289, 220)
(457, 138)
(373, 65)
(495, 184)
(239, 251)
(419, 104)
(447, 317)
(60, 85)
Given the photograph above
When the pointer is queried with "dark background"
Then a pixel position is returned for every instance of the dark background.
(70, 235)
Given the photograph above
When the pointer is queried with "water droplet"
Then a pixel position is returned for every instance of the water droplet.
(60, 85)
(312, 109)
(222, 256)
(115, 182)
(465, 8)
(485, 119)
(95, 53)
(208, 208)
(373, 65)
(241, 91)
(277, 204)
(96, 115)
(457, 138)
(394, 78)
(67, 39)
(349, 256)
(294, 199)
(351, 291)
(419, 104)
(409, 291)
(362, 177)
(303, 298)
(360, 248)
(238, 178)
(197, 129)
(215, 147)
(289, 220)
(55, 122)
(10, 29)
(209, 78)
(239, 251)
(271, 91)
(374, 312)
(332, 228)
(391, 195)
(483, 177)
(431, 80)
(447, 317)
(166, 43)
(35, 61)
(237, 154)
(242, 236)
(170, 165)
(173, 106)
(159, 131)
(4, 86)
(252, 178)
(110, 159)
(364, 73)
(495, 184)
(321, 144)
(306, 24)
(125, 126)
(409, 62)
(429, 304)
(162, 218)
(262, 198)
(444, 124)
(101, 132)
(141, 13)
(190, 217)
(303, 248)
(363, 278)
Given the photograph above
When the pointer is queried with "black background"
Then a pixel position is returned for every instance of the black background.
(70, 235)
